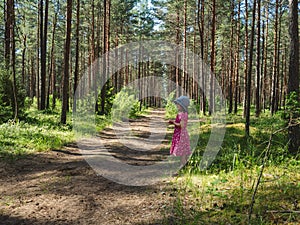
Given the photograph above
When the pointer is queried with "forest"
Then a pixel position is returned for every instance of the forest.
(89, 67)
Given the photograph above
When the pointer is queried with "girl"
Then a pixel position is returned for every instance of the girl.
(181, 140)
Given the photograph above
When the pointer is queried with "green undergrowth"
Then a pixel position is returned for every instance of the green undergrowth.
(41, 131)
(37, 131)
(237, 149)
(225, 198)
(222, 194)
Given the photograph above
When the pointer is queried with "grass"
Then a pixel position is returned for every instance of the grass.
(42, 131)
(38, 131)
(237, 149)
(224, 198)
(223, 193)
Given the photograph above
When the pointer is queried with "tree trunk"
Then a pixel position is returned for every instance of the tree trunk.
(285, 76)
(177, 57)
(237, 63)
(65, 94)
(43, 43)
(213, 59)
(248, 90)
(231, 72)
(38, 47)
(275, 61)
(106, 43)
(13, 63)
(52, 66)
(53, 83)
(246, 58)
(10, 52)
(23, 59)
(279, 67)
(257, 92)
(93, 56)
(8, 24)
(76, 70)
(201, 33)
(265, 61)
(293, 82)
(32, 78)
(117, 59)
(184, 74)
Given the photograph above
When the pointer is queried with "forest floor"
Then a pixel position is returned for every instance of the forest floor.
(59, 187)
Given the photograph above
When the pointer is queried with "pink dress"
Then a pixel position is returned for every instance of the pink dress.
(181, 139)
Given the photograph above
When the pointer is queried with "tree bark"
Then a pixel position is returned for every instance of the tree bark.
(265, 57)
(275, 62)
(212, 59)
(10, 52)
(184, 74)
(200, 22)
(177, 57)
(237, 63)
(51, 81)
(248, 91)
(76, 70)
(257, 92)
(246, 58)
(106, 43)
(231, 72)
(43, 40)
(8, 24)
(65, 94)
(23, 59)
(293, 81)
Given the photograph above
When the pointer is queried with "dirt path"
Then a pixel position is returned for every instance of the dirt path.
(59, 187)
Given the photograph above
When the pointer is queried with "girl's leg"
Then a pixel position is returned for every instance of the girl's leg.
(183, 160)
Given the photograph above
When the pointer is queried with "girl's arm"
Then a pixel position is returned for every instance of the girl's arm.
(181, 124)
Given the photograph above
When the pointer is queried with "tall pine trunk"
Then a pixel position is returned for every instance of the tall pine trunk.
(293, 82)
(106, 43)
(51, 81)
(43, 42)
(237, 63)
(275, 63)
(201, 33)
(65, 91)
(246, 58)
(24, 59)
(212, 60)
(10, 52)
(265, 57)
(177, 57)
(257, 91)
(184, 74)
(231, 72)
(248, 90)
(76, 70)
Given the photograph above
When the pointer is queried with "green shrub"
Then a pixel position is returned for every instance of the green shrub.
(6, 111)
(7, 102)
(171, 109)
(109, 99)
(125, 105)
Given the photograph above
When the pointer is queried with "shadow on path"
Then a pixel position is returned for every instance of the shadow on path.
(59, 187)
